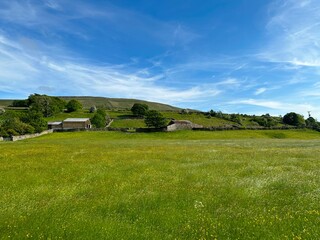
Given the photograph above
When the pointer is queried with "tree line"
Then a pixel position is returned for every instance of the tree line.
(292, 118)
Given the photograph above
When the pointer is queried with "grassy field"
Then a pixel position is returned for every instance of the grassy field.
(198, 118)
(65, 115)
(122, 119)
(180, 185)
(128, 123)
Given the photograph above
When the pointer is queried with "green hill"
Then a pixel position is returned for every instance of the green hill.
(119, 103)
(5, 102)
(108, 103)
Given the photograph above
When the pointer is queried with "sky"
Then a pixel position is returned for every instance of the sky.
(243, 56)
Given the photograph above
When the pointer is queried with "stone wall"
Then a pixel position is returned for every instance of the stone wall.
(22, 137)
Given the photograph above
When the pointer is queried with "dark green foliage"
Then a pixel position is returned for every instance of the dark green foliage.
(12, 125)
(312, 123)
(218, 114)
(155, 119)
(19, 123)
(265, 120)
(211, 113)
(294, 119)
(20, 103)
(139, 109)
(235, 118)
(46, 105)
(36, 120)
(99, 119)
(73, 105)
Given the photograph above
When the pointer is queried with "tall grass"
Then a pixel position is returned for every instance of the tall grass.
(182, 185)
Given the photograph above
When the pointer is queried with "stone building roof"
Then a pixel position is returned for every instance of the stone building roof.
(54, 123)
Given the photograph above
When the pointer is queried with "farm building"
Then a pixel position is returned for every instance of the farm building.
(182, 125)
(71, 123)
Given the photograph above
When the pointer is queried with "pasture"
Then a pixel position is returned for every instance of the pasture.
(179, 185)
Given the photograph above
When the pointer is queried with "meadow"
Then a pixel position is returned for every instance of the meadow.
(179, 185)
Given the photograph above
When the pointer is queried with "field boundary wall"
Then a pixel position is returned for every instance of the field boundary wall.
(23, 137)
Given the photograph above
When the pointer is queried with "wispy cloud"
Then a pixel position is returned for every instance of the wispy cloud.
(87, 48)
(57, 18)
(283, 107)
(260, 91)
(73, 77)
(295, 31)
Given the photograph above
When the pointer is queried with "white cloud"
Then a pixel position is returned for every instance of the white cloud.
(260, 91)
(311, 63)
(30, 72)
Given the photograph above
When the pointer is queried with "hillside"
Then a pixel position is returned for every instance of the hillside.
(5, 102)
(108, 103)
(119, 103)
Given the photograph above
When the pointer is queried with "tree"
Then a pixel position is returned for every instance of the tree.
(100, 118)
(36, 120)
(46, 105)
(155, 119)
(73, 105)
(139, 109)
(294, 119)
(12, 125)
(93, 109)
(20, 103)
(265, 120)
(311, 122)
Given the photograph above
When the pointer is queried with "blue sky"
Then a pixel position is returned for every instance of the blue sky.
(243, 56)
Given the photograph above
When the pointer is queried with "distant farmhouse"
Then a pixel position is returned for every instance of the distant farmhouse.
(71, 123)
(181, 125)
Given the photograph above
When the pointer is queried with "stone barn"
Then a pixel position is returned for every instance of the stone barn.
(175, 125)
(76, 123)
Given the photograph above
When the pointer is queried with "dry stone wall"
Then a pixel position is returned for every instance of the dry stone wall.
(22, 137)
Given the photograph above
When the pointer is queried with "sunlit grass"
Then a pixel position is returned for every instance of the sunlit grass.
(198, 118)
(182, 185)
(83, 113)
(128, 123)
